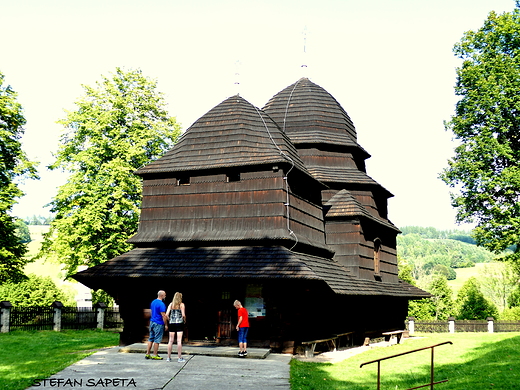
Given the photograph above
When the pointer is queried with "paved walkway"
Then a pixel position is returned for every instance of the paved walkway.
(213, 368)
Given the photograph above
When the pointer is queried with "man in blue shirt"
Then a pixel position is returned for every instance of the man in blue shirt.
(158, 321)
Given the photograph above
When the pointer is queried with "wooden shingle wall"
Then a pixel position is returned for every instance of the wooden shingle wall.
(210, 208)
(355, 251)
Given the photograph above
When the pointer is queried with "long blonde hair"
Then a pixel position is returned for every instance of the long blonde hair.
(177, 300)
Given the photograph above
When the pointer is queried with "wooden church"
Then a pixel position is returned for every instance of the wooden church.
(270, 206)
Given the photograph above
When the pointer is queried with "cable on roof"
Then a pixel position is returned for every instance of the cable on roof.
(284, 155)
(288, 102)
(287, 185)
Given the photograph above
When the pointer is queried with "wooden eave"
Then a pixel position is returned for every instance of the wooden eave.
(244, 237)
(344, 205)
(345, 175)
(260, 263)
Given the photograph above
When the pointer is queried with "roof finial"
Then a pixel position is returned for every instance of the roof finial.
(304, 55)
(237, 76)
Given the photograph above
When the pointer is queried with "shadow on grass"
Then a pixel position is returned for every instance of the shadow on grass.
(491, 365)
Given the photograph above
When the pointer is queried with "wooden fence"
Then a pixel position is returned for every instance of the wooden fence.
(58, 317)
(451, 325)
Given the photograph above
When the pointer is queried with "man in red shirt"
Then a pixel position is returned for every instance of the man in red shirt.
(242, 328)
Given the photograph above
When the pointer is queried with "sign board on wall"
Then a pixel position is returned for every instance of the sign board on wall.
(254, 302)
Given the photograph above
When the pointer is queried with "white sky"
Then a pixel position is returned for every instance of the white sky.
(389, 63)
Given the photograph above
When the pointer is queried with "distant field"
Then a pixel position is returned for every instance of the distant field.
(42, 267)
(463, 274)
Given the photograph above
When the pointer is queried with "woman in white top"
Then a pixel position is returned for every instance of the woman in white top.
(177, 317)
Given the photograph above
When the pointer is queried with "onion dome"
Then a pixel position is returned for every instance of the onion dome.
(308, 114)
(233, 133)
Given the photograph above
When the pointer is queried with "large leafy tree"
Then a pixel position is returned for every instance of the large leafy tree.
(485, 171)
(14, 165)
(34, 291)
(498, 282)
(471, 303)
(119, 125)
(439, 307)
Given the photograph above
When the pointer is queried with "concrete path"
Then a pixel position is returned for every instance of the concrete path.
(213, 368)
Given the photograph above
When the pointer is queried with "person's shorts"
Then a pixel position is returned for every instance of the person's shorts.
(156, 332)
(176, 327)
(242, 334)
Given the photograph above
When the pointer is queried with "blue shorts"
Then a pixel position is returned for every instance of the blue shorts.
(242, 334)
(156, 332)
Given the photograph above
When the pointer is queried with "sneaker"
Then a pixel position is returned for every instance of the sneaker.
(244, 354)
(147, 356)
(156, 357)
(240, 354)
(181, 360)
(168, 360)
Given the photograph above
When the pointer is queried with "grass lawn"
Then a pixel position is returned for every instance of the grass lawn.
(475, 361)
(29, 355)
(463, 274)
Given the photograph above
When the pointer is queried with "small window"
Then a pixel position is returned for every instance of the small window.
(234, 176)
(183, 181)
(226, 295)
(377, 260)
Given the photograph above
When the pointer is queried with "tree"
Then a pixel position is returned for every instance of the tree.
(441, 298)
(438, 307)
(34, 291)
(14, 165)
(119, 126)
(485, 171)
(471, 303)
(498, 282)
(22, 231)
(405, 271)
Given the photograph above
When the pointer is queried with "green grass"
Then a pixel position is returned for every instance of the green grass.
(475, 361)
(29, 355)
(463, 274)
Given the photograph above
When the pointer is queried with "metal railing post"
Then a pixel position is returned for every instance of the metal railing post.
(432, 369)
(432, 373)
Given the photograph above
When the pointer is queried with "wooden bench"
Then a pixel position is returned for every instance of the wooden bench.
(310, 346)
(349, 338)
(395, 334)
(332, 343)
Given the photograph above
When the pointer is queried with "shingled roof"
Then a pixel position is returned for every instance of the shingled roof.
(342, 175)
(311, 115)
(233, 133)
(244, 262)
(343, 204)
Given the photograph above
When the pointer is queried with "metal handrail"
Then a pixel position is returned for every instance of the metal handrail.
(406, 353)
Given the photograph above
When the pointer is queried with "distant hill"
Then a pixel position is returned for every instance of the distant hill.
(431, 232)
(429, 250)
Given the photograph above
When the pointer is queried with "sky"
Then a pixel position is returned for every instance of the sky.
(389, 63)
